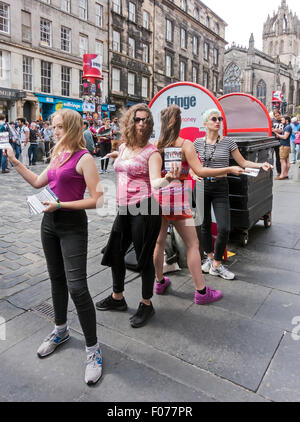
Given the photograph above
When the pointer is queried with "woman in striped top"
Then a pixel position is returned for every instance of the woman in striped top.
(215, 152)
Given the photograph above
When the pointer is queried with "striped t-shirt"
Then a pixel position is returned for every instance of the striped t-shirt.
(220, 158)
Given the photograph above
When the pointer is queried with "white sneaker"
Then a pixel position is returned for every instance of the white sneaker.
(93, 370)
(221, 271)
(207, 265)
(50, 344)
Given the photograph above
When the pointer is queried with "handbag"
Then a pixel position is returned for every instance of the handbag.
(297, 139)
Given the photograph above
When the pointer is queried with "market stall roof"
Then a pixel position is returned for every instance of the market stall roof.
(245, 115)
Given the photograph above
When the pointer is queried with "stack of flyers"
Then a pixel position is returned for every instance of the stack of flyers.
(251, 172)
(4, 140)
(35, 202)
(172, 155)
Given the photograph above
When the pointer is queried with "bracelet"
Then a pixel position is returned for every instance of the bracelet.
(58, 204)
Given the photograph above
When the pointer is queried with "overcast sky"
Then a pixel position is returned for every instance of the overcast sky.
(246, 16)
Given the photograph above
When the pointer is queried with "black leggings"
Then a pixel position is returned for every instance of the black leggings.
(216, 195)
(105, 148)
(64, 238)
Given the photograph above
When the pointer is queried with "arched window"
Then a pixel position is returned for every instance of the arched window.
(232, 79)
(283, 89)
(207, 21)
(261, 91)
(285, 23)
(271, 48)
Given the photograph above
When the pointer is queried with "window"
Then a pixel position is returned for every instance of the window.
(83, 11)
(215, 84)
(281, 47)
(116, 41)
(99, 15)
(217, 28)
(27, 73)
(46, 74)
(271, 48)
(99, 49)
(131, 47)
(83, 45)
(169, 67)
(66, 5)
(116, 79)
(80, 83)
(131, 15)
(131, 83)
(207, 21)
(65, 39)
(183, 5)
(117, 6)
(232, 79)
(261, 91)
(145, 82)
(169, 30)
(205, 79)
(45, 34)
(146, 20)
(195, 74)
(183, 38)
(65, 81)
(1, 65)
(182, 71)
(196, 13)
(145, 53)
(26, 26)
(206, 51)
(4, 17)
(46, 1)
(216, 57)
(195, 45)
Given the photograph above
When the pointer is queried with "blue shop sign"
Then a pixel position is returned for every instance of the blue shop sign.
(60, 102)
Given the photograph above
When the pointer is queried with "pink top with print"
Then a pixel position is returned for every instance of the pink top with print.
(133, 176)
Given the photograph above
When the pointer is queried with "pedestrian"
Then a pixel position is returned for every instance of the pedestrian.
(90, 146)
(64, 233)
(295, 148)
(105, 138)
(116, 133)
(138, 165)
(215, 152)
(15, 140)
(176, 208)
(3, 153)
(285, 148)
(277, 128)
(48, 139)
(23, 132)
(34, 136)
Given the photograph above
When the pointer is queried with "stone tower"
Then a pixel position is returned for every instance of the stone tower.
(281, 36)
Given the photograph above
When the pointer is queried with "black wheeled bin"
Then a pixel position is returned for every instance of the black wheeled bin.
(251, 198)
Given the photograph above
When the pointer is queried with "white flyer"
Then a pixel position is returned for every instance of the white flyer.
(251, 172)
(35, 202)
(172, 155)
(4, 140)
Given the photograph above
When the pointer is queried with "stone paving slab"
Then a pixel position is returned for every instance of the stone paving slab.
(32, 296)
(8, 311)
(282, 382)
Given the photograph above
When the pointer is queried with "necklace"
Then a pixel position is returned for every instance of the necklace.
(208, 158)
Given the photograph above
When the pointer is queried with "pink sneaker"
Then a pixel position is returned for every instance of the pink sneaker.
(160, 288)
(210, 297)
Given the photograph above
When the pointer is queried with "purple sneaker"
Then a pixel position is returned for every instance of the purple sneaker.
(160, 288)
(210, 297)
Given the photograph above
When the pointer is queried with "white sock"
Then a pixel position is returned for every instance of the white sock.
(61, 328)
(92, 349)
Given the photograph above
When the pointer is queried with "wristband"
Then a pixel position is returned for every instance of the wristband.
(58, 204)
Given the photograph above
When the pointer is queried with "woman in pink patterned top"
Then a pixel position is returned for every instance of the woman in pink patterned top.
(138, 166)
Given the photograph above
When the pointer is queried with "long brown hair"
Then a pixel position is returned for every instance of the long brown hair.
(73, 139)
(170, 127)
(128, 125)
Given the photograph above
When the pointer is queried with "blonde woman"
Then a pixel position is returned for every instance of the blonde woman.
(64, 233)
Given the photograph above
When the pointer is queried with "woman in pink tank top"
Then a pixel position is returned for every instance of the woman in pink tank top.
(64, 233)
(182, 218)
(138, 166)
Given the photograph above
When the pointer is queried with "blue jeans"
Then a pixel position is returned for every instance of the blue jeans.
(295, 151)
(17, 149)
(32, 153)
(3, 160)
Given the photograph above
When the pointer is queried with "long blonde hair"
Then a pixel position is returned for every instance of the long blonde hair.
(170, 127)
(128, 125)
(73, 139)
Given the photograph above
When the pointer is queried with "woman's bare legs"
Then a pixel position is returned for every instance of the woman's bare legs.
(158, 256)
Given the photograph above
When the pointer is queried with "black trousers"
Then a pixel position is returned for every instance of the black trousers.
(65, 238)
(278, 163)
(142, 231)
(216, 195)
(105, 148)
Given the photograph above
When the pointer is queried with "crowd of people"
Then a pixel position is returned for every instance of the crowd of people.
(150, 197)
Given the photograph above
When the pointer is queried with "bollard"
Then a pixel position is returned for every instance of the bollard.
(296, 174)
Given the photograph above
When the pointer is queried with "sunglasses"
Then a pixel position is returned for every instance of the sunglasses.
(139, 119)
(215, 119)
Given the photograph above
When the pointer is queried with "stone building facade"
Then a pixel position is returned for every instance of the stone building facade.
(41, 48)
(276, 68)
